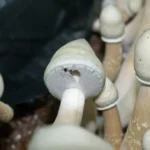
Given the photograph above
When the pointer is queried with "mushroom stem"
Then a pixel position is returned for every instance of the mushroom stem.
(71, 107)
(140, 122)
(112, 60)
(112, 127)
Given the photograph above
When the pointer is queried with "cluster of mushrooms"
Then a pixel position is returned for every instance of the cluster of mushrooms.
(119, 86)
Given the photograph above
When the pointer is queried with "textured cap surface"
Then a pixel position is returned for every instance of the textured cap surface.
(111, 23)
(74, 65)
(108, 95)
(142, 58)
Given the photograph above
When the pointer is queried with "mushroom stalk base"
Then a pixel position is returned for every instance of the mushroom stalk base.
(140, 122)
(113, 128)
(71, 107)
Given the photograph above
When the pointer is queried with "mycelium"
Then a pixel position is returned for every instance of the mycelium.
(6, 112)
(106, 102)
(112, 31)
(66, 137)
(140, 122)
(73, 75)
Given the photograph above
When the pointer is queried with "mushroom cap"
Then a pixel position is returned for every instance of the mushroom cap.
(111, 24)
(146, 141)
(96, 25)
(66, 137)
(134, 6)
(6, 112)
(1, 86)
(108, 96)
(142, 58)
(74, 65)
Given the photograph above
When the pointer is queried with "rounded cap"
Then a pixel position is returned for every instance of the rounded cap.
(1, 86)
(96, 26)
(108, 96)
(142, 58)
(6, 112)
(111, 24)
(65, 137)
(75, 65)
(134, 6)
(146, 141)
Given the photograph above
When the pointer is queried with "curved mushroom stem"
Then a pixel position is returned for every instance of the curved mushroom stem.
(112, 127)
(71, 107)
(112, 60)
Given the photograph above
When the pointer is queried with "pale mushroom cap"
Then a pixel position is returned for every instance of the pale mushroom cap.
(142, 58)
(74, 65)
(1, 86)
(146, 140)
(96, 25)
(134, 6)
(6, 112)
(111, 23)
(108, 95)
(65, 137)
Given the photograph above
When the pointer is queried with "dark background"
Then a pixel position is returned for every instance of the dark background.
(30, 32)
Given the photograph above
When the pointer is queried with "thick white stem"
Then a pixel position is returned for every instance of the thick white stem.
(71, 107)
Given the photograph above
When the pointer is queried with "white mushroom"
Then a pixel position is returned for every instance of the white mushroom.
(106, 101)
(73, 75)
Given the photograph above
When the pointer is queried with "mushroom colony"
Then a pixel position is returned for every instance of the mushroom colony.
(104, 103)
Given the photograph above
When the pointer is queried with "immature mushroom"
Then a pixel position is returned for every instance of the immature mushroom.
(146, 141)
(126, 79)
(112, 31)
(140, 121)
(106, 102)
(66, 137)
(6, 112)
(73, 75)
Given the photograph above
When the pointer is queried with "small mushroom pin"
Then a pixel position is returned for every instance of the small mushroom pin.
(6, 112)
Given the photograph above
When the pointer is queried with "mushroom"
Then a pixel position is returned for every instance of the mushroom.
(146, 141)
(140, 122)
(112, 31)
(66, 137)
(73, 75)
(126, 79)
(106, 102)
(6, 112)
